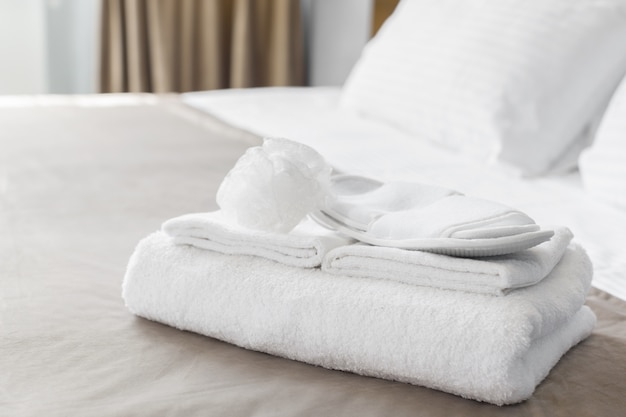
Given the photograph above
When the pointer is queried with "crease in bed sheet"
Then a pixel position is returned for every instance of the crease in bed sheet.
(354, 145)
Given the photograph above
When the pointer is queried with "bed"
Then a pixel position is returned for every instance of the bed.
(84, 178)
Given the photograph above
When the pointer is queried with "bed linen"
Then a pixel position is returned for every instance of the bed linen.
(495, 81)
(602, 165)
(83, 179)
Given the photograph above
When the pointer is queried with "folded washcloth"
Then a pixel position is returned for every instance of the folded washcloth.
(494, 349)
(305, 246)
(418, 216)
(496, 275)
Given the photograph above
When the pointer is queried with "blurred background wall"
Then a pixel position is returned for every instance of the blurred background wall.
(335, 33)
(23, 66)
(52, 46)
(71, 42)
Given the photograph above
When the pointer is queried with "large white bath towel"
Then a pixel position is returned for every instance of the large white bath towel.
(494, 349)
(495, 275)
(304, 246)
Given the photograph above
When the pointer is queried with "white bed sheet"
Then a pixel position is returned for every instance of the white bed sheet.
(312, 115)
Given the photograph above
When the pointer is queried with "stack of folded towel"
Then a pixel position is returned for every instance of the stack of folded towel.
(486, 328)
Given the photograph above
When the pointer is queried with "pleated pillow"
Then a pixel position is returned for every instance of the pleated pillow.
(518, 82)
(603, 166)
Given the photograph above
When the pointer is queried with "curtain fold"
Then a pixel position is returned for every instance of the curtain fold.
(186, 45)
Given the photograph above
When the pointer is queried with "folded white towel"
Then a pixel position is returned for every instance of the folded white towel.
(305, 246)
(494, 349)
(496, 275)
(418, 216)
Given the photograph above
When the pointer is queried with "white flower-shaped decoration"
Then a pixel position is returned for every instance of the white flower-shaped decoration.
(274, 186)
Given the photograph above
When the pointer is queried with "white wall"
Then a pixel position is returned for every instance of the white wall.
(336, 31)
(72, 45)
(48, 46)
(22, 50)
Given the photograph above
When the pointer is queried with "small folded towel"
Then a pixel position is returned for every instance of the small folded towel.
(418, 216)
(496, 275)
(305, 246)
(494, 349)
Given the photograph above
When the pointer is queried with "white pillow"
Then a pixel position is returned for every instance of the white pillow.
(513, 81)
(603, 166)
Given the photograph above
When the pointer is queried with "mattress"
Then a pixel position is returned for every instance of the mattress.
(83, 179)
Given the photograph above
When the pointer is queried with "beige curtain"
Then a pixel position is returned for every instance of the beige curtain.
(186, 45)
(382, 10)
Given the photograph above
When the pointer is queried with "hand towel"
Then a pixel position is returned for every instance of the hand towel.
(494, 349)
(419, 216)
(305, 246)
(495, 275)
